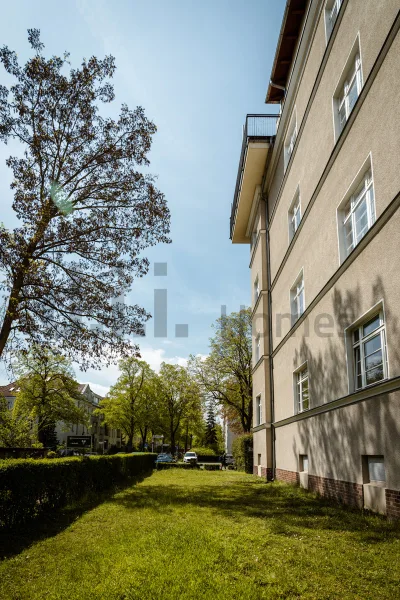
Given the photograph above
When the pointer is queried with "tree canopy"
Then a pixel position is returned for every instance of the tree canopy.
(86, 211)
(129, 403)
(226, 374)
(47, 392)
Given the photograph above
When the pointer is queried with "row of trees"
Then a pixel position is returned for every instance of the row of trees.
(181, 403)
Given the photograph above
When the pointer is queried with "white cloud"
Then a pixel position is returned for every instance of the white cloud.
(101, 380)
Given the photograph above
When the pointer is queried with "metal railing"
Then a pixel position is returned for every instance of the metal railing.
(256, 128)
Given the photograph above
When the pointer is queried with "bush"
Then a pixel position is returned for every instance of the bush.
(242, 450)
(160, 466)
(52, 454)
(29, 488)
(203, 450)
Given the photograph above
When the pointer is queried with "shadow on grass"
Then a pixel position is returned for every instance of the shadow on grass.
(285, 509)
(14, 541)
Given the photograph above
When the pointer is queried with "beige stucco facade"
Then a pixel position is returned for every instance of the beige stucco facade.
(345, 432)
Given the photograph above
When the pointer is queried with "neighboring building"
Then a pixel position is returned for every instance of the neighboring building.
(229, 435)
(317, 198)
(103, 437)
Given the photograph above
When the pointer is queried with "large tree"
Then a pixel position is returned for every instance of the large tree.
(47, 392)
(180, 399)
(226, 373)
(85, 209)
(15, 430)
(122, 408)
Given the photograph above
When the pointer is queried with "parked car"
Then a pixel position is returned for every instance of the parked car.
(165, 458)
(190, 457)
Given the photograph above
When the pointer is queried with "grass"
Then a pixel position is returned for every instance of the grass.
(204, 535)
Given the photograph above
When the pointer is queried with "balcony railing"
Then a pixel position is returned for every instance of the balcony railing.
(256, 128)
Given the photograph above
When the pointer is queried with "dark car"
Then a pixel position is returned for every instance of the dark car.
(165, 458)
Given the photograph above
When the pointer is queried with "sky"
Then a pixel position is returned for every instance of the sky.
(197, 68)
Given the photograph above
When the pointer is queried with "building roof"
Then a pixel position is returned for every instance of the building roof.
(287, 43)
(9, 390)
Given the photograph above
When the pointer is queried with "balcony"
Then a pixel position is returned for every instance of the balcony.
(258, 137)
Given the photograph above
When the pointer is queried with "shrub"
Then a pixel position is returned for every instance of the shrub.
(52, 454)
(162, 466)
(29, 488)
(203, 450)
(242, 450)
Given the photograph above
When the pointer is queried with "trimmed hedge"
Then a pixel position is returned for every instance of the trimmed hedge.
(242, 450)
(160, 466)
(208, 458)
(29, 488)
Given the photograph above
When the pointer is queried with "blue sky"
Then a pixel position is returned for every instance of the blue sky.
(197, 68)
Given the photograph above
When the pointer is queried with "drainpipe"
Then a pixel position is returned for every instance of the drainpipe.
(271, 365)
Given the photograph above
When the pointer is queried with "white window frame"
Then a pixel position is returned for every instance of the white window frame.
(360, 343)
(256, 289)
(332, 7)
(363, 193)
(300, 376)
(294, 214)
(297, 292)
(290, 140)
(259, 412)
(363, 179)
(351, 74)
(257, 353)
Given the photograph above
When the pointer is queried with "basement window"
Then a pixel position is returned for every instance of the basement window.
(303, 460)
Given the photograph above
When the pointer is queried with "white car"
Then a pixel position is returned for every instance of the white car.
(189, 457)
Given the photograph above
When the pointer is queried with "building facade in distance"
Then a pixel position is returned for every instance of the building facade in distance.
(103, 437)
(317, 199)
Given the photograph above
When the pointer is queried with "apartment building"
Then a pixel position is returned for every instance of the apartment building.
(103, 437)
(317, 200)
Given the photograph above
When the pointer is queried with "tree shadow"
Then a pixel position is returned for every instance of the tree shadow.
(337, 441)
(14, 541)
(286, 510)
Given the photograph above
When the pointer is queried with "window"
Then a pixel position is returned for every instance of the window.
(290, 139)
(369, 352)
(294, 215)
(258, 410)
(359, 213)
(258, 346)
(297, 298)
(303, 462)
(256, 290)
(376, 469)
(302, 392)
(259, 460)
(348, 90)
(332, 8)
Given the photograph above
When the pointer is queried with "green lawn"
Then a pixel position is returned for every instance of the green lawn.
(204, 535)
